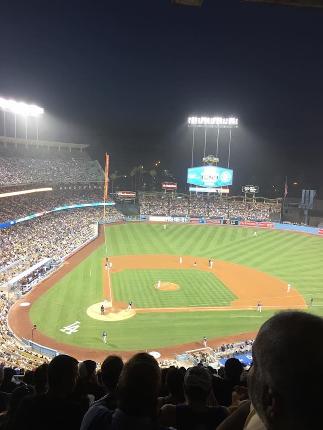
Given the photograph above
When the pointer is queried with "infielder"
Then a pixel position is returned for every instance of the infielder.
(129, 305)
(180, 260)
(259, 307)
(164, 226)
(288, 288)
(158, 285)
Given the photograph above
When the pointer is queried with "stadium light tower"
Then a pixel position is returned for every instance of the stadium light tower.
(217, 122)
(21, 109)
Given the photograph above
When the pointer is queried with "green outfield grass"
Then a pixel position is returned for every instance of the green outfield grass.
(197, 288)
(292, 257)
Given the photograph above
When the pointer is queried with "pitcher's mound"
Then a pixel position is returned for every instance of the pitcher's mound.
(167, 286)
(110, 313)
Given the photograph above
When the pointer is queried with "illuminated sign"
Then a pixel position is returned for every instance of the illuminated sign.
(252, 189)
(169, 186)
(209, 176)
(209, 190)
(126, 195)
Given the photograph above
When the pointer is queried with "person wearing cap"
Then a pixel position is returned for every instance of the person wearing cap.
(195, 413)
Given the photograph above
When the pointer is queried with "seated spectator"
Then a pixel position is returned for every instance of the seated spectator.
(136, 396)
(41, 379)
(87, 383)
(16, 399)
(223, 387)
(7, 385)
(4, 397)
(110, 373)
(284, 396)
(54, 409)
(174, 385)
(195, 414)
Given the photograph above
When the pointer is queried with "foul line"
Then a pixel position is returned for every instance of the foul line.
(107, 290)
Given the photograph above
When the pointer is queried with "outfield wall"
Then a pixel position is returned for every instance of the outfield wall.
(234, 222)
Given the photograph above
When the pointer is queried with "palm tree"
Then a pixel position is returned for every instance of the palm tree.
(132, 174)
(153, 174)
(140, 170)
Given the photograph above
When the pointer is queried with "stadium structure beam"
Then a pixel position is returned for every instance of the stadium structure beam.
(212, 122)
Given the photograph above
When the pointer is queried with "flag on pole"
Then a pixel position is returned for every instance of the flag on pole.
(286, 188)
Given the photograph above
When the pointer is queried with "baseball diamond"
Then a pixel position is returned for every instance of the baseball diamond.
(218, 302)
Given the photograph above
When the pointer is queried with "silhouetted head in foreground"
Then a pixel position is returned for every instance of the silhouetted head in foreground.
(286, 380)
(62, 375)
(139, 385)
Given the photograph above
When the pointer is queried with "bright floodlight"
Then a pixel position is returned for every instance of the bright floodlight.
(215, 121)
(20, 108)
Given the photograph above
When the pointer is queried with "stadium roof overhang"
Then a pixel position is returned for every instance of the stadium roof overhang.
(300, 3)
(197, 3)
(43, 143)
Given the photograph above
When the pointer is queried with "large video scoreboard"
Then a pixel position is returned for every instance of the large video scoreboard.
(209, 176)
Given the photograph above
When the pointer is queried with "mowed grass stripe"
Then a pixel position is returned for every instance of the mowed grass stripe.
(197, 288)
(293, 257)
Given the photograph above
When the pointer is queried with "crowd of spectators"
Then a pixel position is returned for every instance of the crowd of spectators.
(196, 206)
(12, 353)
(275, 393)
(53, 236)
(15, 171)
(15, 207)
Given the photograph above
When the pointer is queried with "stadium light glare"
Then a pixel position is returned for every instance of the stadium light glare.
(20, 108)
(30, 191)
(215, 121)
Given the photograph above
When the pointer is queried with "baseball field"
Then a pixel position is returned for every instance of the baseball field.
(177, 298)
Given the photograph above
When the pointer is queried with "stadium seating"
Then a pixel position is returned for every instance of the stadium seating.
(195, 206)
(14, 171)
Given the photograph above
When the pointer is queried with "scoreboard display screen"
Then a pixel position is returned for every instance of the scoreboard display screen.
(209, 176)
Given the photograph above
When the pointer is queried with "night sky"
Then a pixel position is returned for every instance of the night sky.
(123, 75)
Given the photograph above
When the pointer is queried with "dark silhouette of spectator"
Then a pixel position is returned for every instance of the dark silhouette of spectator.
(195, 414)
(283, 395)
(16, 398)
(223, 387)
(41, 379)
(137, 393)
(175, 387)
(54, 409)
(87, 383)
(110, 373)
(7, 385)
(28, 377)
(4, 397)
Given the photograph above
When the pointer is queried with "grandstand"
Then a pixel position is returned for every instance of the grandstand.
(190, 205)
(25, 162)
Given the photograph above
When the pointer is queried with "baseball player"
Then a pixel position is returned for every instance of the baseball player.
(288, 288)
(205, 341)
(259, 307)
(255, 233)
(104, 337)
(158, 285)
(164, 226)
(180, 260)
(129, 305)
(211, 264)
(102, 309)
